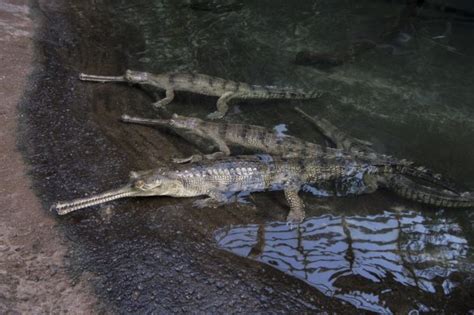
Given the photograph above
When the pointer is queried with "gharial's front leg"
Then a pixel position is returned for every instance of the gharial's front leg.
(165, 101)
(215, 199)
(222, 105)
(297, 212)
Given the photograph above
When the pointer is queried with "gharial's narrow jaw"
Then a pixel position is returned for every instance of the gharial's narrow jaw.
(146, 183)
(130, 76)
(176, 122)
(166, 123)
(66, 207)
(102, 78)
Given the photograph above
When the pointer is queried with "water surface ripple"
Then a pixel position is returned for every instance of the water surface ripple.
(350, 257)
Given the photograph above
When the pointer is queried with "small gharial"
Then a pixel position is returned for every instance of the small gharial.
(225, 90)
(222, 179)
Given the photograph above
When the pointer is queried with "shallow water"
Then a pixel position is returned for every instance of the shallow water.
(410, 94)
(350, 257)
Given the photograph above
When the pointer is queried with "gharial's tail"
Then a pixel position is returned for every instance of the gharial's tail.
(427, 175)
(411, 190)
(267, 92)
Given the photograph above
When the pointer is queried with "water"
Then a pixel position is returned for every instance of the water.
(409, 93)
(349, 257)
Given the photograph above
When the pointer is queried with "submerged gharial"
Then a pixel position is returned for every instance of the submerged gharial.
(225, 90)
(220, 180)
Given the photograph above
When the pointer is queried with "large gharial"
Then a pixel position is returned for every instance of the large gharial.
(221, 179)
(225, 90)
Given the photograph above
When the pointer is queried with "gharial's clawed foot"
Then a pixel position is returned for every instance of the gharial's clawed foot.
(215, 115)
(189, 159)
(294, 218)
(182, 160)
(159, 106)
(291, 225)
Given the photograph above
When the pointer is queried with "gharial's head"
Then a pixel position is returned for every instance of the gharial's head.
(136, 76)
(185, 122)
(147, 183)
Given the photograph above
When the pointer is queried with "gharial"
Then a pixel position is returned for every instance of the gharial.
(226, 90)
(220, 180)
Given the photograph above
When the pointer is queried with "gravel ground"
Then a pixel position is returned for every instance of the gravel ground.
(33, 277)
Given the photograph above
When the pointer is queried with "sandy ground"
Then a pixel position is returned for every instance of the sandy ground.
(33, 278)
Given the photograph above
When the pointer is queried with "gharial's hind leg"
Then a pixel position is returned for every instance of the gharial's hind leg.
(297, 212)
(165, 101)
(222, 105)
(337, 136)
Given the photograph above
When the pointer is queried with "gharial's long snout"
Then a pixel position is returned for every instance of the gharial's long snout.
(65, 207)
(130, 76)
(143, 183)
(146, 121)
(102, 78)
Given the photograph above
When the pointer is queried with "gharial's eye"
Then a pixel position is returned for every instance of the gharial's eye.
(143, 185)
(139, 184)
(128, 74)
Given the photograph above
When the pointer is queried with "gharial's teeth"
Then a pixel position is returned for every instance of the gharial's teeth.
(63, 208)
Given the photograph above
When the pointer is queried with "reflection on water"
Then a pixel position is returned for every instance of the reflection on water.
(333, 253)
